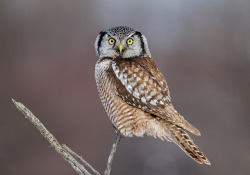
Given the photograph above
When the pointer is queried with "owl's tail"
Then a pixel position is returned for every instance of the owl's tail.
(182, 139)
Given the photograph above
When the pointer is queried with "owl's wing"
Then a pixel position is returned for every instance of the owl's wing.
(145, 88)
(149, 65)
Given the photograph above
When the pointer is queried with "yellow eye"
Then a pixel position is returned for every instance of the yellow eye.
(130, 41)
(112, 41)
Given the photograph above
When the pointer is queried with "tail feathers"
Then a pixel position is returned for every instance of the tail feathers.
(190, 128)
(179, 120)
(182, 139)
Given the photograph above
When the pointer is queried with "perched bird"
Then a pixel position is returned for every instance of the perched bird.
(134, 92)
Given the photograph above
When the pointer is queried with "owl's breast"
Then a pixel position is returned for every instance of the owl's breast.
(120, 113)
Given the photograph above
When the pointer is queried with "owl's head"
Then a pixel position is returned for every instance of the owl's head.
(122, 42)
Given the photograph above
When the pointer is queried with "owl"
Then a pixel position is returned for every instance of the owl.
(134, 92)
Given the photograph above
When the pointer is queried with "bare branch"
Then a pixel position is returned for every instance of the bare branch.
(52, 140)
(63, 150)
(80, 158)
(112, 153)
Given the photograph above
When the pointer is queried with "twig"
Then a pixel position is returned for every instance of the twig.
(112, 153)
(80, 158)
(52, 140)
(63, 150)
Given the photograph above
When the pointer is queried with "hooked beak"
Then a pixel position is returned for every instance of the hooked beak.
(120, 48)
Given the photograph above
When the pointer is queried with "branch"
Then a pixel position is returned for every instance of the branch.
(80, 158)
(51, 139)
(63, 150)
(112, 153)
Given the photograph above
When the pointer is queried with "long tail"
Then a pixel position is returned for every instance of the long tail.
(182, 139)
(180, 121)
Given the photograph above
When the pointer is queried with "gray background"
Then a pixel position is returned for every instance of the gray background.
(47, 62)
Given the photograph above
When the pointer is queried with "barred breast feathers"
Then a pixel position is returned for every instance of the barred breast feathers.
(120, 113)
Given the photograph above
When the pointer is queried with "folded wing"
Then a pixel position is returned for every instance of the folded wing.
(140, 84)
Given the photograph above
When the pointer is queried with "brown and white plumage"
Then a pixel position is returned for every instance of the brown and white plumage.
(135, 94)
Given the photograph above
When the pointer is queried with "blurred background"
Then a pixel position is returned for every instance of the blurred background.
(47, 62)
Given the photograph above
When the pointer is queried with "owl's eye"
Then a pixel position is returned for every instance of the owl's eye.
(111, 41)
(130, 41)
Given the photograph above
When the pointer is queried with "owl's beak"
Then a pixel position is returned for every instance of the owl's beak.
(120, 48)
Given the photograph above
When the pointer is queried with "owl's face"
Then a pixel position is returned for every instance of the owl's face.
(121, 42)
